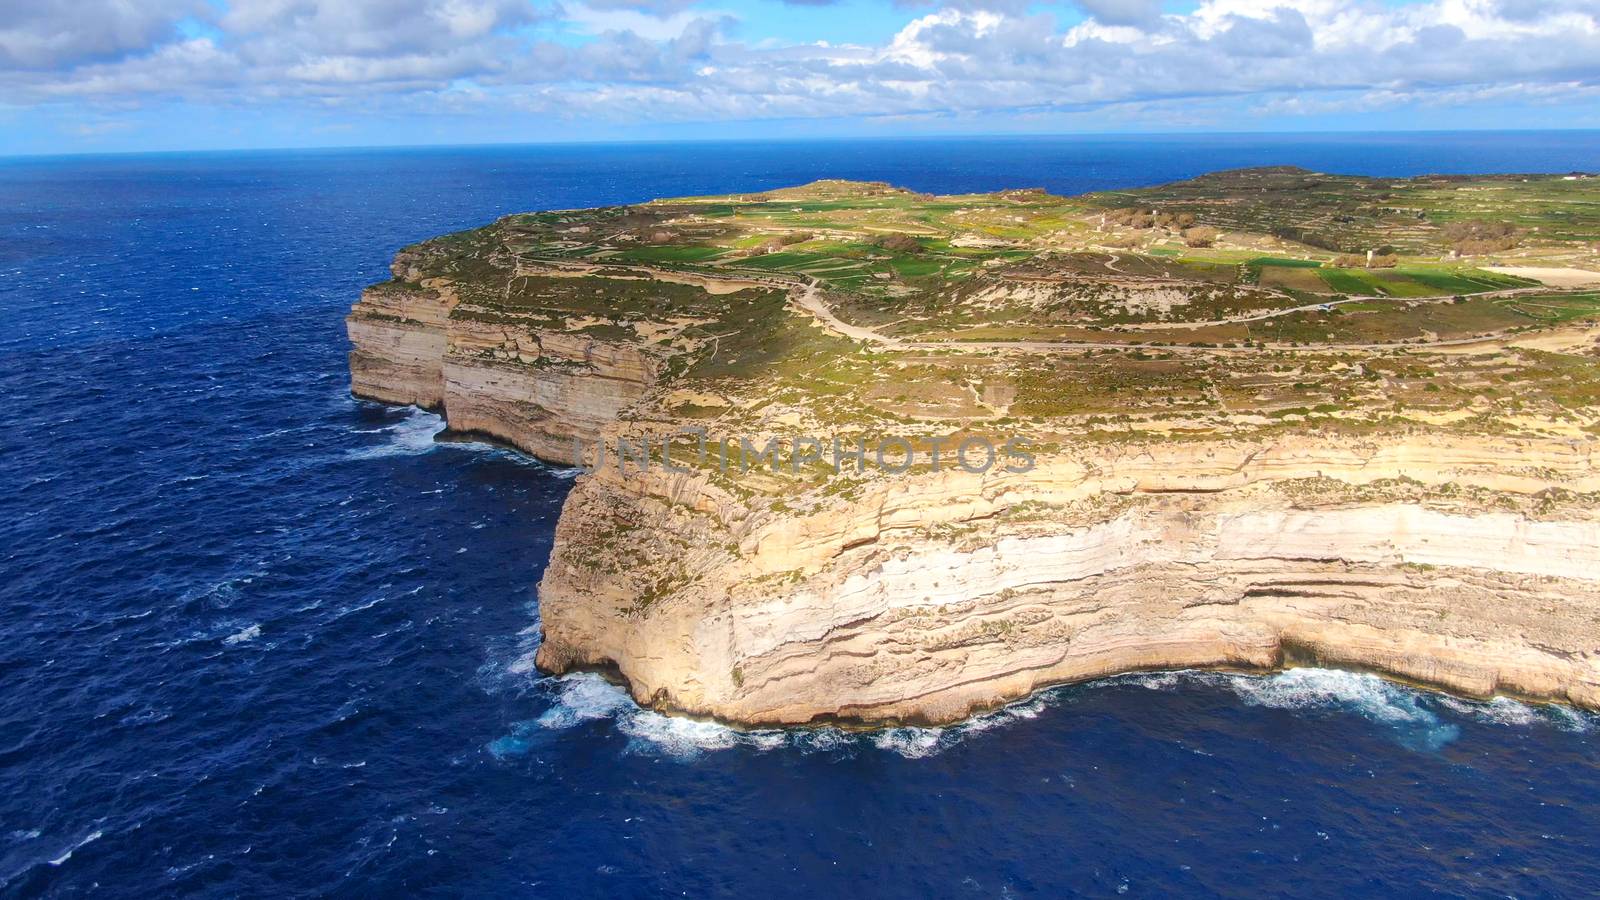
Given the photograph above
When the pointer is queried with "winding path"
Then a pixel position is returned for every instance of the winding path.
(809, 297)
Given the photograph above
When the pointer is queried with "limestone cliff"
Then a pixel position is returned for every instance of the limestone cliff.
(527, 382)
(930, 597)
(1403, 483)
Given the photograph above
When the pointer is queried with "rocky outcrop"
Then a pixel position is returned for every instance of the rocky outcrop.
(397, 333)
(493, 376)
(538, 390)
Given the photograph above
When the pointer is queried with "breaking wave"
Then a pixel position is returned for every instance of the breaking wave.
(1366, 695)
(410, 436)
(583, 698)
(1419, 719)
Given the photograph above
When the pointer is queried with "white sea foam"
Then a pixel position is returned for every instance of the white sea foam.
(1406, 710)
(582, 697)
(408, 437)
(243, 635)
(1498, 711)
(1311, 688)
(587, 697)
(91, 838)
(912, 743)
(1414, 715)
(1367, 695)
(516, 456)
(1157, 681)
(1505, 711)
(1569, 719)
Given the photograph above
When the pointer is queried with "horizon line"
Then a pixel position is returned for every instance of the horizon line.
(841, 139)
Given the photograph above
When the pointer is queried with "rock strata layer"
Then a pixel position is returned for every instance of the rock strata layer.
(927, 599)
(534, 387)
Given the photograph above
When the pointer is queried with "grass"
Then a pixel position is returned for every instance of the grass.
(1346, 281)
(671, 254)
(1554, 307)
(1261, 261)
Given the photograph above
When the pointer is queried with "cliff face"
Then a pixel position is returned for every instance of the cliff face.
(931, 597)
(1400, 482)
(534, 387)
(398, 336)
(538, 390)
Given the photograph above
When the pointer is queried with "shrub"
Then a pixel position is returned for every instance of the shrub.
(773, 244)
(897, 243)
(1471, 237)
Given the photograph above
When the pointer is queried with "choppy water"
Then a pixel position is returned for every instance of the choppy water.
(259, 638)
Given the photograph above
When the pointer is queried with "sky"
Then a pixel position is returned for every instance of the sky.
(87, 76)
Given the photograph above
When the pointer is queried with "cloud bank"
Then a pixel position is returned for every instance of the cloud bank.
(688, 61)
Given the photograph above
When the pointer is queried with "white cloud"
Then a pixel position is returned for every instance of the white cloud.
(666, 60)
(1122, 12)
(42, 35)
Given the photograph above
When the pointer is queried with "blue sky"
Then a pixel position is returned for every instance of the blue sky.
(112, 75)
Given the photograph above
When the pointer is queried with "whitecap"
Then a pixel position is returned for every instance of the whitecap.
(1367, 695)
(675, 736)
(410, 436)
(513, 665)
(823, 740)
(1156, 681)
(1021, 710)
(243, 635)
(1497, 711)
(911, 743)
(583, 697)
(1411, 713)
(1508, 712)
(92, 837)
(509, 454)
(1569, 719)
(586, 697)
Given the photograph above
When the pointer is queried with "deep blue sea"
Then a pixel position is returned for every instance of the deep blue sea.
(260, 639)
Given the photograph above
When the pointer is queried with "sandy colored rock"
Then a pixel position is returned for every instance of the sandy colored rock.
(1417, 497)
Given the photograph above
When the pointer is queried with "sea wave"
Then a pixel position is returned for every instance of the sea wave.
(410, 436)
(88, 839)
(586, 697)
(1419, 719)
(1368, 696)
(1419, 716)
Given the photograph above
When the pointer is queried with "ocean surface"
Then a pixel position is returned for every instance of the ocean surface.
(260, 639)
